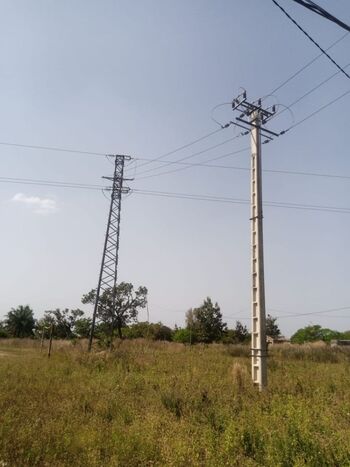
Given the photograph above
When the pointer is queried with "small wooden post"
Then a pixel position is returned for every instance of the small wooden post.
(50, 343)
(42, 339)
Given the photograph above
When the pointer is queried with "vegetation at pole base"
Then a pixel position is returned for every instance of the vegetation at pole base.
(152, 403)
(317, 333)
(118, 306)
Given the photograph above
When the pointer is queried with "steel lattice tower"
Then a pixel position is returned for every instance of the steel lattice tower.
(109, 264)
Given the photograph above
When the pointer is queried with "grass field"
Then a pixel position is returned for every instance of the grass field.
(161, 404)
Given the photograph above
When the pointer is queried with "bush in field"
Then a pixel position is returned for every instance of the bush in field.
(160, 332)
(154, 331)
(20, 322)
(184, 336)
(314, 333)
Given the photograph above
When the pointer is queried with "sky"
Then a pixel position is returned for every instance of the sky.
(142, 78)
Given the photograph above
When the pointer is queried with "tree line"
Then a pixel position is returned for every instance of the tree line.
(117, 314)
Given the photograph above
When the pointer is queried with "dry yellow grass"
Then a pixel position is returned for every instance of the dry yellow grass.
(160, 404)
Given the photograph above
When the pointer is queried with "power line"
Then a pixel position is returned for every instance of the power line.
(311, 39)
(310, 5)
(102, 154)
(221, 199)
(51, 183)
(232, 153)
(295, 315)
(316, 112)
(166, 164)
(311, 91)
(187, 145)
(247, 169)
(177, 195)
(304, 67)
(52, 148)
(66, 184)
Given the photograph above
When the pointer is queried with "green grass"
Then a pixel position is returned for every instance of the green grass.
(160, 404)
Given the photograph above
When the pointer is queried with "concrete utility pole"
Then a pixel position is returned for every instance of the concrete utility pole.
(258, 343)
(257, 117)
(109, 264)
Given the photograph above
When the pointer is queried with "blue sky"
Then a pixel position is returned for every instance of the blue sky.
(141, 78)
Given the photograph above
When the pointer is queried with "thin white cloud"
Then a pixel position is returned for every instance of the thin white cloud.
(39, 205)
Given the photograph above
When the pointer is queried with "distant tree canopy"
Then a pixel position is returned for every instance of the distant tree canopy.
(315, 333)
(206, 322)
(272, 328)
(118, 306)
(66, 323)
(20, 322)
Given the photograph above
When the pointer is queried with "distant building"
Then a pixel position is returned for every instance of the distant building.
(277, 340)
(336, 342)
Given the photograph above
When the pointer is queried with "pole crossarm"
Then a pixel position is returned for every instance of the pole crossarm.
(109, 265)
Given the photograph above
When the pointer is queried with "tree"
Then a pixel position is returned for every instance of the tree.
(67, 323)
(20, 321)
(82, 327)
(314, 333)
(272, 328)
(190, 327)
(118, 306)
(241, 333)
(207, 322)
(3, 331)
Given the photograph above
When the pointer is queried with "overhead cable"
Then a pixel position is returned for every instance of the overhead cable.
(322, 12)
(191, 156)
(311, 39)
(228, 154)
(304, 67)
(187, 196)
(185, 146)
(310, 91)
(316, 112)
